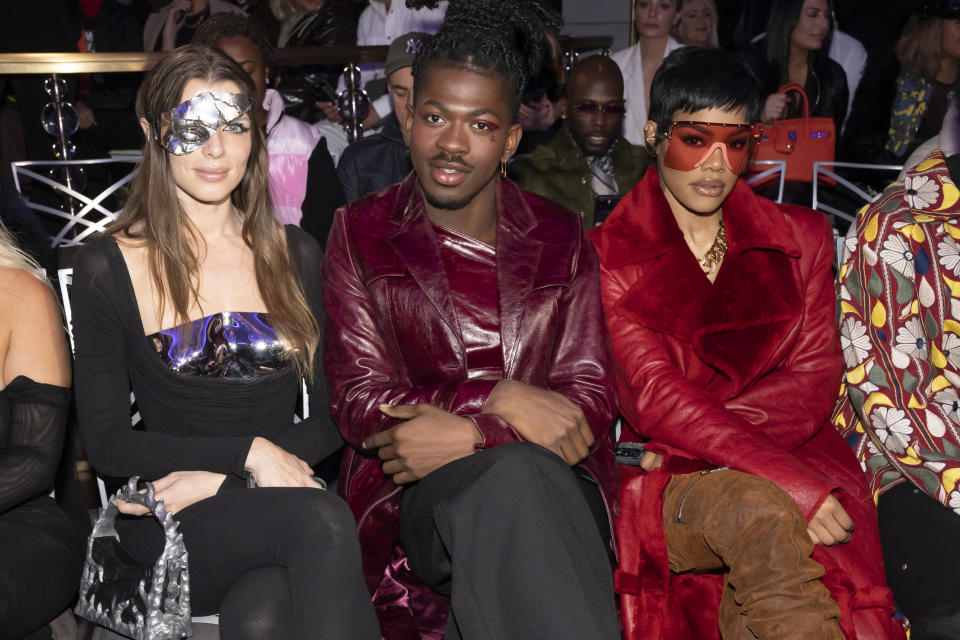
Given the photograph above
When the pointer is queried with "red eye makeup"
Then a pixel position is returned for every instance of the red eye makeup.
(692, 143)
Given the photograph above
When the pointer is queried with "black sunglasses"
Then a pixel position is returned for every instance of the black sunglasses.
(608, 109)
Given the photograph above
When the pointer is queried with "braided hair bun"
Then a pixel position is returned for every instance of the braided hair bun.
(506, 38)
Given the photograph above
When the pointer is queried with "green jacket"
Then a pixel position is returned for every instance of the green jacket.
(558, 170)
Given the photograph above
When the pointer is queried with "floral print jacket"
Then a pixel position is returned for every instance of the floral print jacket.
(900, 333)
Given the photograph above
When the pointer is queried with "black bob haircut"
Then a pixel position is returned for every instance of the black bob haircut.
(498, 38)
(695, 78)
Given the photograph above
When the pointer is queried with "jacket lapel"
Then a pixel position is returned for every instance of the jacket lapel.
(734, 325)
(417, 248)
(518, 265)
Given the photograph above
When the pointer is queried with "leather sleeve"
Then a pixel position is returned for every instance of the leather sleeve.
(659, 403)
(582, 365)
(791, 403)
(360, 373)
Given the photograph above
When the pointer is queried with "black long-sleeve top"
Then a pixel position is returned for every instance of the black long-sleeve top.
(191, 423)
(33, 418)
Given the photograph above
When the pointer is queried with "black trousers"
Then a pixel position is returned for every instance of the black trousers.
(511, 536)
(919, 537)
(276, 563)
(40, 561)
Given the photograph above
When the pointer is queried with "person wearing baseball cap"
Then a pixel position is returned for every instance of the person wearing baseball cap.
(376, 161)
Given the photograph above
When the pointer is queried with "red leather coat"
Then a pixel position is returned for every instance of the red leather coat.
(742, 373)
(392, 337)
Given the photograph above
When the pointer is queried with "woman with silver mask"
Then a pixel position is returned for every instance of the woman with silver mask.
(211, 311)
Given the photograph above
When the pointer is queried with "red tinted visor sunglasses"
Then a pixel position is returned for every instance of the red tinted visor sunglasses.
(692, 143)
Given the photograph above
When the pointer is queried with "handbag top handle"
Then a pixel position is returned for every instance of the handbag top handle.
(792, 86)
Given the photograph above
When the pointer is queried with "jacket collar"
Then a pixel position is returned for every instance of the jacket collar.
(567, 153)
(736, 323)
(512, 210)
(929, 190)
(518, 256)
(565, 147)
(643, 219)
(391, 129)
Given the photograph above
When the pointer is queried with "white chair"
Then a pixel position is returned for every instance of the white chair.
(777, 168)
(85, 214)
(826, 170)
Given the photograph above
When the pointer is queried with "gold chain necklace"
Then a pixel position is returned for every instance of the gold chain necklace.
(714, 255)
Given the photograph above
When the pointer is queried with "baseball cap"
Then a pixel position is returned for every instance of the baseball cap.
(403, 49)
(938, 8)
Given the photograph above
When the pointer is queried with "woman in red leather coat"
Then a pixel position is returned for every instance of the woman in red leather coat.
(721, 306)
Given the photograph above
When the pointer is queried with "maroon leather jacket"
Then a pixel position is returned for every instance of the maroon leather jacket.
(392, 337)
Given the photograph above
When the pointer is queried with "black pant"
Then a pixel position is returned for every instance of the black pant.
(275, 562)
(40, 562)
(919, 537)
(509, 535)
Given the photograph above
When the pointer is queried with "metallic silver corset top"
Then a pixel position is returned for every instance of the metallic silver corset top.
(228, 344)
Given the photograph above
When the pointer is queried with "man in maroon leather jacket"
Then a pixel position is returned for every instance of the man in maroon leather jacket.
(469, 372)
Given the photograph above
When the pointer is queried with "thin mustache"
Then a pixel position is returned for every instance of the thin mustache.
(442, 157)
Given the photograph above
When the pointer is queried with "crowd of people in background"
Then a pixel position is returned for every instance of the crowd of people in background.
(888, 88)
(524, 247)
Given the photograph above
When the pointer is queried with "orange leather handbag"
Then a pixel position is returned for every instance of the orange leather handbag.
(798, 141)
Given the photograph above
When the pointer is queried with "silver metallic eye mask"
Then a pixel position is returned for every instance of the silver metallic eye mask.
(189, 125)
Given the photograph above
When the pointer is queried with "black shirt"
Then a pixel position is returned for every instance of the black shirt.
(190, 423)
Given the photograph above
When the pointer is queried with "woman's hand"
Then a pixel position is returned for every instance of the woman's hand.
(331, 112)
(87, 119)
(175, 19)
(273, 466)
(830, 525)
(775, 107)
(178, 490)
(650, 461)
(537, 116)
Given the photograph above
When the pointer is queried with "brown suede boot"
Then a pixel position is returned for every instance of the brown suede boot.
(749, 528)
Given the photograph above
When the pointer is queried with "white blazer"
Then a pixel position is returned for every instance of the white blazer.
(631, 66)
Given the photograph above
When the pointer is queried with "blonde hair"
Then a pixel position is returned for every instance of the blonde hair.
(918, 49)
(153, 212)
(283, 9)
(13, 257)
(675, 29)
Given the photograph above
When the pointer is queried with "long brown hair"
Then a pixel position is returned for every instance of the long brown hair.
(153, 213)
(918, 49)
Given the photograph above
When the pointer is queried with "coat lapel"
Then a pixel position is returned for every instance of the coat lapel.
(518, 263)
(417, 248)
(734, 325)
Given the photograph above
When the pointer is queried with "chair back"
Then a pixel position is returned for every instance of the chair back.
(766, 172)
(825, 174)
(59, 191)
